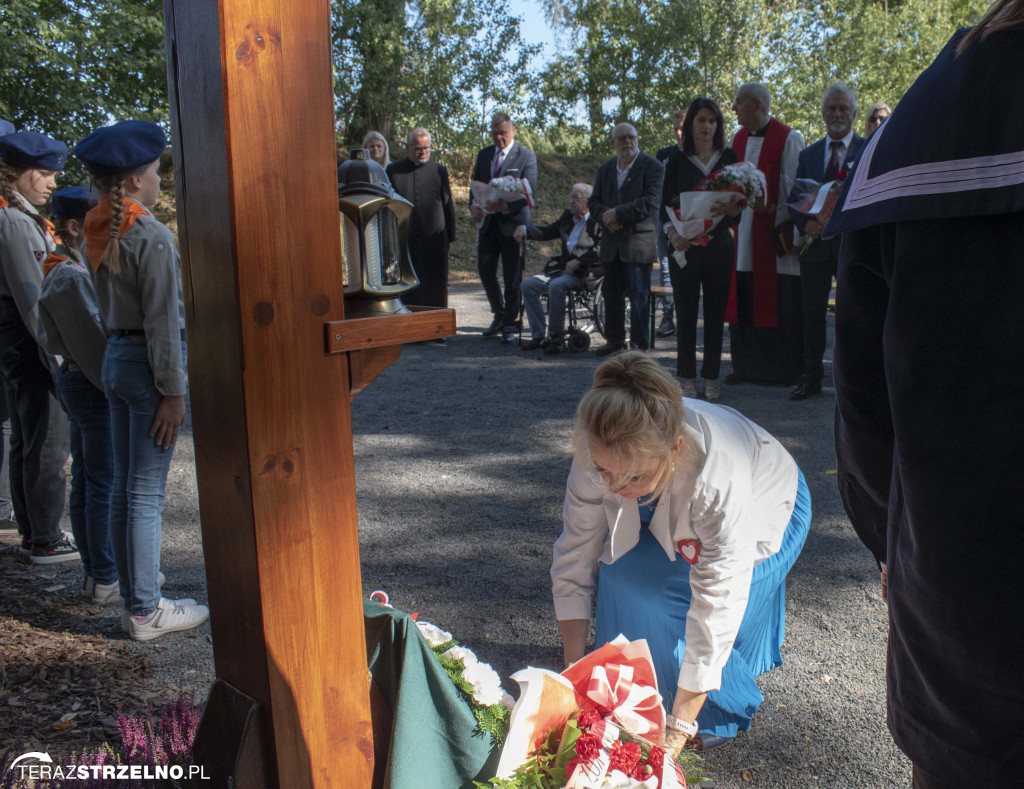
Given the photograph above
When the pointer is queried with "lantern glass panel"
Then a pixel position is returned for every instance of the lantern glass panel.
(382, 249)
(350, 247)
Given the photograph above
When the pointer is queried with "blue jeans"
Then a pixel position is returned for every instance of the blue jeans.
(91, 471)
(140, 471)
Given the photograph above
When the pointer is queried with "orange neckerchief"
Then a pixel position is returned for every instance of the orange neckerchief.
(97, 227)
(52, 259)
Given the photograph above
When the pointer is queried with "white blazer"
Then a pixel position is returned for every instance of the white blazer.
(735, 498)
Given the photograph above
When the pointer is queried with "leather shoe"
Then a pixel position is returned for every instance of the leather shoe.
(708, 742)
(667, 327)
(495, 327)
(508, 335)
(534, 343)
(555, 347)
(805, 389)
(609, 348)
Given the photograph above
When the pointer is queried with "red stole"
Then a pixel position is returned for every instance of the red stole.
(766, 283)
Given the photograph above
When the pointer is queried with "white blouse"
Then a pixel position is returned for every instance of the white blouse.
(735, 498)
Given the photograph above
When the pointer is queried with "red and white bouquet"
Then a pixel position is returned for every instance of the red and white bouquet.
(695, 216)
(594, 726)
(814, 200)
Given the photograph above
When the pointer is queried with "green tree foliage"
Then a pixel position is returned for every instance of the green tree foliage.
(641, 61)
(442, 64)
(68, 67)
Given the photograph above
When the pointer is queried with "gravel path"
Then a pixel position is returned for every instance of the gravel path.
(461, 457)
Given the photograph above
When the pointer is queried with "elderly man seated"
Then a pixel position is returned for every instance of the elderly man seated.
(564, 273)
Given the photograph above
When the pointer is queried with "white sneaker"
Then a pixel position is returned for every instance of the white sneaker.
(126, 616)
(170, 617)
(104, 594)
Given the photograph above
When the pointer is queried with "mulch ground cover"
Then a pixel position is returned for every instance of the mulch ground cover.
(65, 667)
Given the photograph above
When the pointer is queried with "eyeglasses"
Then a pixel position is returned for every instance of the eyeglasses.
(877, 118)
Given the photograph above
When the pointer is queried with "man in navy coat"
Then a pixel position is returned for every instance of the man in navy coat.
(822, 162)
(498, 220)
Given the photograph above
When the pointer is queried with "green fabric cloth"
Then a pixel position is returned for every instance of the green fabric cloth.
(434, 742)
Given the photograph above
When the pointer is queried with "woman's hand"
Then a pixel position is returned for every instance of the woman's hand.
(685, 707)
(574, 639)
(679, 244)
(675, 741)
(729, 208)
(169, 417)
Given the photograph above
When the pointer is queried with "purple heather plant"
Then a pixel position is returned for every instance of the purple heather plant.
(165, 741)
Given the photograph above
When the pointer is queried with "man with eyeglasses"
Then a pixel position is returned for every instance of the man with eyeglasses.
(432, 227)
(625, 202)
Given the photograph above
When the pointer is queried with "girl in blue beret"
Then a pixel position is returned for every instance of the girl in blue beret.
(29, 163)
(70, 318)
(138, 287)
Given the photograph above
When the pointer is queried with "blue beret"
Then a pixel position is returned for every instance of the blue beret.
(32, 149)
(6, 127)
(72, 202)
(121, 148)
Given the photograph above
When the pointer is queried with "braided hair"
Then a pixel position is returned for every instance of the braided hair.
(114, 185)
(8, 173)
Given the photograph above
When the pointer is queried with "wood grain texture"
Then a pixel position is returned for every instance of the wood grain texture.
(253, 131)
(422, 323)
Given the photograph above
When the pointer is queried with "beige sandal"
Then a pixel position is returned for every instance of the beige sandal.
(711, 391)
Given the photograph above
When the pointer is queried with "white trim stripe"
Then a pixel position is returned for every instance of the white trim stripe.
(958, 175)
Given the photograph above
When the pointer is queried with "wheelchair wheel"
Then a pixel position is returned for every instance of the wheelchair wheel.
(578, 341)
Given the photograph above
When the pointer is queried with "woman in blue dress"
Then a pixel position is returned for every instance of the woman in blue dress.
(694, 515)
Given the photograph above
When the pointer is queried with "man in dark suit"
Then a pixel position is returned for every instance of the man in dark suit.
(822, 162)
(424, 183)
(563, 274)
(497, 221)
(625, 202)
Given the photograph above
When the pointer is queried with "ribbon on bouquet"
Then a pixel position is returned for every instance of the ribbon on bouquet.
(618, 679)
(634, 706)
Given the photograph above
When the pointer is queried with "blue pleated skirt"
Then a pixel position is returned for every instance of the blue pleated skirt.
(645, 595)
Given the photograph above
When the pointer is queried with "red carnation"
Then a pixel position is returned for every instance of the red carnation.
(625, 756)
(656, 758)
(588, 747)
(572, 765)
(641, 772)
(587, 719)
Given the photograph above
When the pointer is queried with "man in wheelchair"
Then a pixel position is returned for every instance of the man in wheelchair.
(563, 273)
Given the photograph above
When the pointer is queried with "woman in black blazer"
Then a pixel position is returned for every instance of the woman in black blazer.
(709, 266)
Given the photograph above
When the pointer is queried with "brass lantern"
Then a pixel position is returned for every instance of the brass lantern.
(374, 239)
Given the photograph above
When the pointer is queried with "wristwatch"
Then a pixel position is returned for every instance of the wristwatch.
(681, 726)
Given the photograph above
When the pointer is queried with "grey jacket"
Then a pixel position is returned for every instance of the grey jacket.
(23, 248)
(636, 206)
(70, 316)
(146, 295)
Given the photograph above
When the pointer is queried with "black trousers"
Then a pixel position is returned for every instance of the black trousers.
(492, 246)
(621, 280)
(708, 268)
(40, 440)
(923, 780)
(816, 284)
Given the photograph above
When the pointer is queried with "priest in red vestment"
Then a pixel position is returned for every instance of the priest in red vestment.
(765, 315)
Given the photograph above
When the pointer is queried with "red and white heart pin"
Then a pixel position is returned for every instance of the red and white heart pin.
(689, 550)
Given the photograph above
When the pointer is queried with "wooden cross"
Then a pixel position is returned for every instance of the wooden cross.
(252, 106)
